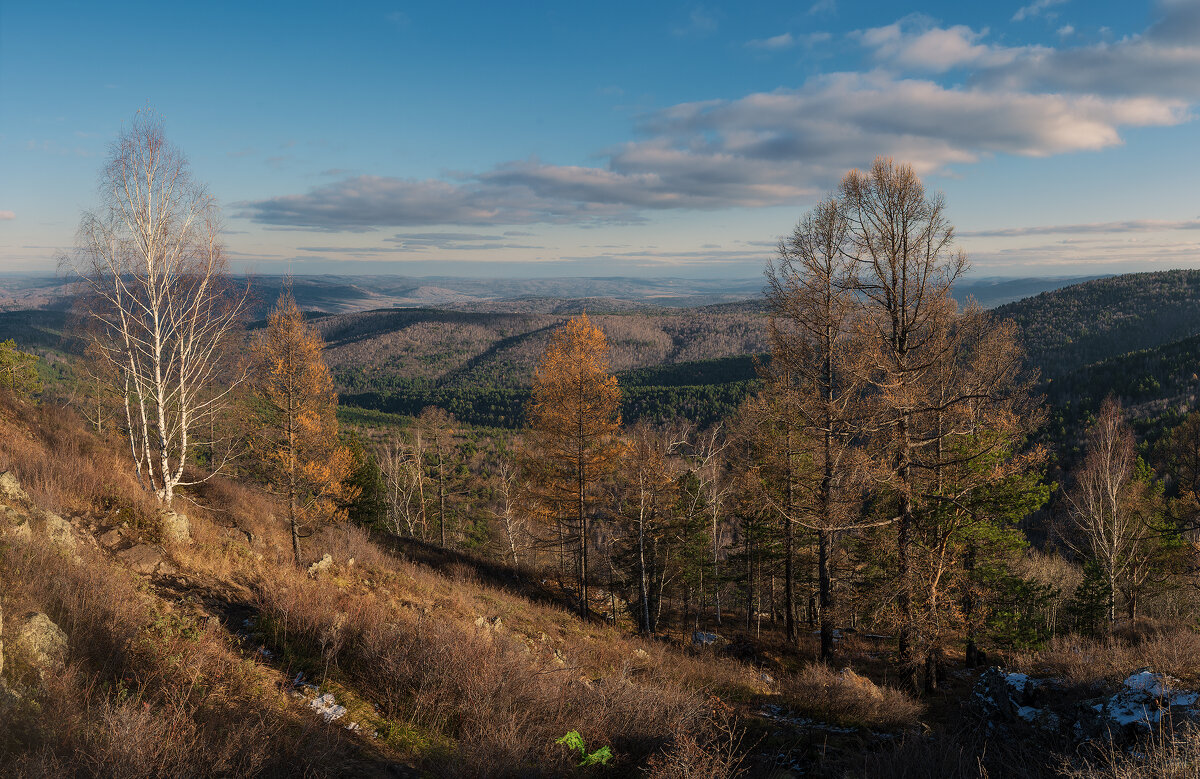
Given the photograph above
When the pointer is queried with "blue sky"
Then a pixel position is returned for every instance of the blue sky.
(526, 139)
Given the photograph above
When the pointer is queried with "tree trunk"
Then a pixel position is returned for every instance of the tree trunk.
(583, 561)
(972, 653)
(825, 589)
(903, 540)
(295, 529)
(789, 579)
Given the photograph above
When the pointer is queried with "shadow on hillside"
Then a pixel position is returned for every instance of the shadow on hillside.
(524, 582)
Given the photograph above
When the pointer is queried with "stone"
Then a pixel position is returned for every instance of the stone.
(174, 526)
(11, 489)
(58, 530)
(324, 564)
(701, 638)
(111, 539)
(21, 533)
(41, 642)
(143, 559)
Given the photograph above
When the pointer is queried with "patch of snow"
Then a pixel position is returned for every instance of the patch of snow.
(327, 706)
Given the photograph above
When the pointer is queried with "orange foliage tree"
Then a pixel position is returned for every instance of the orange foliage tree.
(574, 420)
(298, 431)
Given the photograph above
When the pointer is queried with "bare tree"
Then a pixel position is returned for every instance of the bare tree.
(811, 325)
(903, 244)
(512, 494)
(160, 297)
(403, 469)
(1102, 523)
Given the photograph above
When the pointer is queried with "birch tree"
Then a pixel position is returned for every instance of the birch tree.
(151, 258)
(1103, 523)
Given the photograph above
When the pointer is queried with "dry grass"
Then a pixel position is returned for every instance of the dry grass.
(846, 698)
(502, 698)
(1167, 756)
(149, 690)
(1080, 660)
(65, 468)
(157, 688)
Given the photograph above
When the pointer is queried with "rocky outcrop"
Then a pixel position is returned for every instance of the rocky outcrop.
(39, 642)
(1029, 707)
(324, 564)
(58, 530)
(174, 527)
(20, 518)
(145, 559)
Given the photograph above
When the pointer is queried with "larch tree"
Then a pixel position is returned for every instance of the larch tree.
(906, 263)
(298, 431)
(574, 421)
(811, 327)
(160, 301)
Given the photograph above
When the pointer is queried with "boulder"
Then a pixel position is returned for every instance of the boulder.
(21, 533)
(492, 625)
(1143, 702)
(40, 642)
(144, 559)
(700, 639)
(11, 490)
(324, 564)
(58, 530)
(111, 539)
(1044, 707)
(174, 527)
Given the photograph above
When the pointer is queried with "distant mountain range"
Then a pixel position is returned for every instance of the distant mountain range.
(469, 344)
(343, 294)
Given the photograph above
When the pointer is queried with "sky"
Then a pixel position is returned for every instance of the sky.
(616, 138)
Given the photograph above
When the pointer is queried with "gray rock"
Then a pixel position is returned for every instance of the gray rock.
(176, 529)
(58, 530)
(324, 564)
(41, 642)
(112, 539)
(21, 533)
(11, 489)
(143, 559)
(701, 638)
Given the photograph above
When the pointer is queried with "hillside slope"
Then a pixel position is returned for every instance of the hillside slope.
(1085, 323)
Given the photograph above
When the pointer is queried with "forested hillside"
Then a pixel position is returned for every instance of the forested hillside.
(1096, 320)
(479, 365)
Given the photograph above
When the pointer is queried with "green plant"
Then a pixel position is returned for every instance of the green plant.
(575, 741)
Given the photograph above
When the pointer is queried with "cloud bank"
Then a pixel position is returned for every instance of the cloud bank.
(782, 147)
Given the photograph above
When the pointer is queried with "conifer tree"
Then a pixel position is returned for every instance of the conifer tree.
(298, 430)
(574, 420)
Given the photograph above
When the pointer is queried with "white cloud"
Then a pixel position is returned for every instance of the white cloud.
(1127, 226)
(914, 43)
(783, 147)
(700, 23)
(6, 215)
(774, 43)
(1036, 8)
